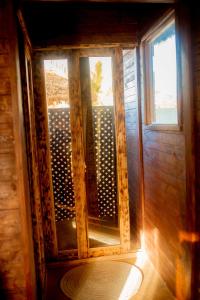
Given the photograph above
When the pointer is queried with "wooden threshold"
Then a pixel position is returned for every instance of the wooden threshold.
(52, 265)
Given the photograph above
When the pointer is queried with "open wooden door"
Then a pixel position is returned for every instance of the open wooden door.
(82, 152)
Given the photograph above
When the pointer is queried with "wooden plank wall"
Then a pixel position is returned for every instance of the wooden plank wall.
(17, 280)
(25, 55)
(164, 190)
(132, 143)
(168, 205)
(196, 69)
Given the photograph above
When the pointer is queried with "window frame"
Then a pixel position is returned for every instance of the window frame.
(151, 35)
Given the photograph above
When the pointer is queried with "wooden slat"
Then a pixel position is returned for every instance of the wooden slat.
(122, 176)
(103, 251)
(78, 159)
(95, 52)
(19, 275)
(196, 81)
(131, 102)
(44, 159)
(89, 145)
(169, 182)
(33, 168)
(82, 46)
(24, 29)
(54, 265)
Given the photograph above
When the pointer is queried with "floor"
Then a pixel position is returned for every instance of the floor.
(99, 235)
(152, 288)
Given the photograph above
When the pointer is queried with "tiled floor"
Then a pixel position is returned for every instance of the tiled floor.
(152, 288)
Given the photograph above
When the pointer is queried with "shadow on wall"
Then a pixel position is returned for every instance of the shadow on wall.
(3, 294)
(189, 243)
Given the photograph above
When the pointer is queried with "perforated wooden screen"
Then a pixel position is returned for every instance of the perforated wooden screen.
(105, 155)
(104, 140)
(60, 146)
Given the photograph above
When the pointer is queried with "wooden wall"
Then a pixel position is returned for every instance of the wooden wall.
(196, 74)
(17, 276)
(165, 172)
(132, 143)
(164, 190)
(75, 24)
(168, 181)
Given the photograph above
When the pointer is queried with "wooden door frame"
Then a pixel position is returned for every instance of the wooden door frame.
(78, 165)
(122, 176)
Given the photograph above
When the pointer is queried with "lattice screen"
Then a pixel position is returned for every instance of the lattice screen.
(60, 146)
(105, 161)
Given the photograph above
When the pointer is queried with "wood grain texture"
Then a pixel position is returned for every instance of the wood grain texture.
(8, 180)
(168, 204)
(32, 158)
(46, 188)
(122, 174)
(89, 150)
(195, 29)
(132, 143)
(78, 158)
(17, 280)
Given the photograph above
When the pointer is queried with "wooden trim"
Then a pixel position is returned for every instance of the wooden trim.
(32, 161)
(163, 127)
(148, 76)
(54, 54)
(141, 166)
(69, 254)
(54, 265)
(22, 188)
(158, 26)
(96, 52)
(84, 46)
(107, 250)
(187, 289)
(122, 173)
(47, 198)
(78, 157)
(24, 29)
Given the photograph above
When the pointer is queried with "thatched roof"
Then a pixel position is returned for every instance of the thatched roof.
(56, 88)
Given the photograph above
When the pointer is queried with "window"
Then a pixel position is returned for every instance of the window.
(161, 76)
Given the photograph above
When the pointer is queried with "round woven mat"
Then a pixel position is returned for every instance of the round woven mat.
(111, 280)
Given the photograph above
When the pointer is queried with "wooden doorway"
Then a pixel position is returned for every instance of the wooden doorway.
(82, 151)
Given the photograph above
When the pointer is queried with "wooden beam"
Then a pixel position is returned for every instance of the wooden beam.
(89, 145)
(24, 29)
(44, 158)
(122, 174)
(26, 262)
(106, 1)
(78, 159)
(84, 46)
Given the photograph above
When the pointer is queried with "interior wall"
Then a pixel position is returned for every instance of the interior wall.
(17, 276)
(196, 76)
(25, 57)
(168, 204)
(131, 106)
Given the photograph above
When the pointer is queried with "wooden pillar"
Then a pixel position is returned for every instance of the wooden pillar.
(89, 146)
(78, 156)
(122, 174)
